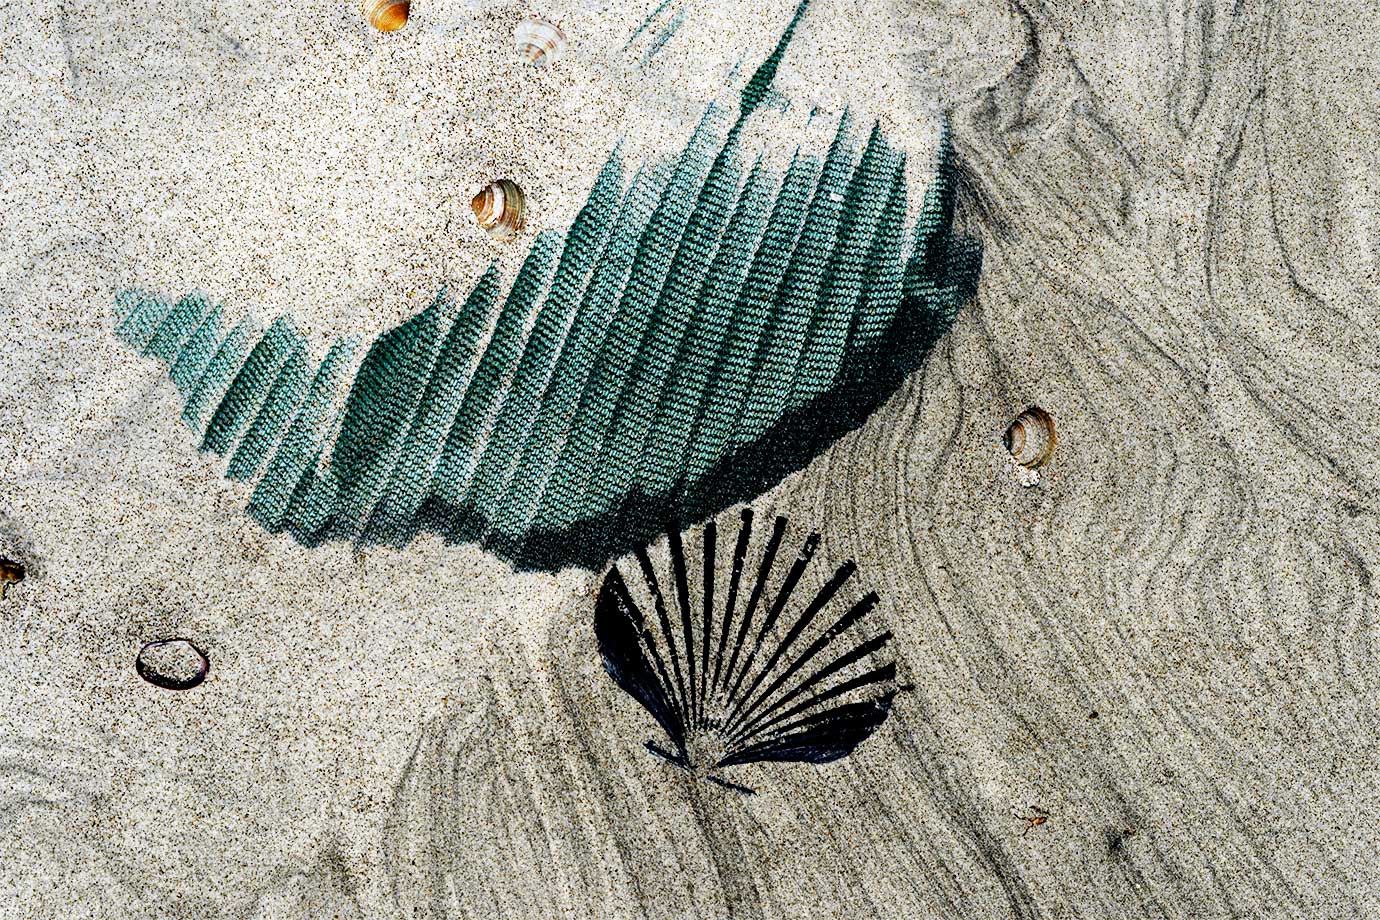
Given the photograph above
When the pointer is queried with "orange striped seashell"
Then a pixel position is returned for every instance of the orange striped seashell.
(387, 15)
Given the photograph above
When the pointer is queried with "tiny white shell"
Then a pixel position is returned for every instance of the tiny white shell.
(539, 41)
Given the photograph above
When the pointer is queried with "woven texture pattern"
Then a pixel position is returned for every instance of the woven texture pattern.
(704, 328)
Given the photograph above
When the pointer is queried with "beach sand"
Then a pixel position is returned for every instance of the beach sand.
(1165, 647)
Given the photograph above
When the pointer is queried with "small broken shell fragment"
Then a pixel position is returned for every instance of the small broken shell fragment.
(172, 664)
(1030, 441)
(387, 15)
(11, 573)
(501, 209)
(539, 41)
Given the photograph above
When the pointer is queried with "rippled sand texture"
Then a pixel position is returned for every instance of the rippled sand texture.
(1164, 648)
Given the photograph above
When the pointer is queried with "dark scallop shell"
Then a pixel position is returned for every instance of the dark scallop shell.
(761, 675)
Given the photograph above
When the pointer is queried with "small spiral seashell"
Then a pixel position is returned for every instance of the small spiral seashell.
(387, 15)
(501, 209)
(539, 41)
(1030, 440)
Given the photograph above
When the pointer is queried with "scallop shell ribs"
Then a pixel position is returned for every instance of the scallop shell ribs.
(387, 15)
(742, 669)
(539, 41)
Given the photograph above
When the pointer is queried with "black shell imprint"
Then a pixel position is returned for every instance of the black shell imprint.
(172, 664)
(752, 677)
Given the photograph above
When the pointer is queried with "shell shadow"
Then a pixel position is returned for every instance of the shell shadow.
(746, 670)
(704, 328)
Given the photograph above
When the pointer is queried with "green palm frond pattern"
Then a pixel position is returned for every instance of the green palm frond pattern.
(703, 328)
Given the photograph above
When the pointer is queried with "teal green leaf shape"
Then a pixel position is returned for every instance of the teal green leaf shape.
(704, 328)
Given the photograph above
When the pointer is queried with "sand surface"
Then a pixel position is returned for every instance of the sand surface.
(1166, 647)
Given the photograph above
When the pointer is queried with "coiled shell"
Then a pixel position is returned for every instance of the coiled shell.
(1030, 440)
(501, 209)
(387, 15)
(539, 41)
(746, 674)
